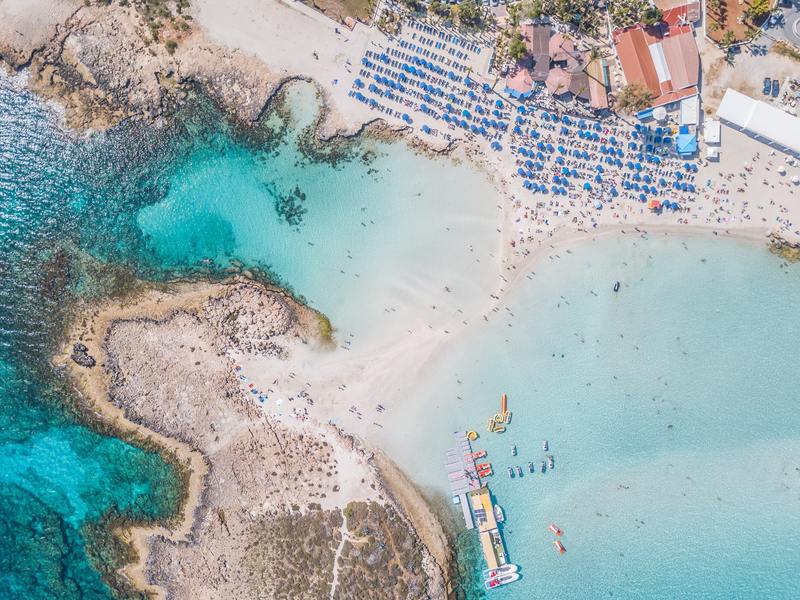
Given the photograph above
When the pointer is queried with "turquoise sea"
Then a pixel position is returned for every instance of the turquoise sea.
(670, 407)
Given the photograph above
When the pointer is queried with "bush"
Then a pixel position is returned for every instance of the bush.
(633, 98)
(171, 46)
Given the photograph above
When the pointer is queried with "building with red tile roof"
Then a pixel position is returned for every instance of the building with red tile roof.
(663, 59)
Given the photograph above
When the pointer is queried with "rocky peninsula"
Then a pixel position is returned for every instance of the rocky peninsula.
(277, 507)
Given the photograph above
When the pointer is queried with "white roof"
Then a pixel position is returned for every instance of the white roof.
(690, 110)
(761, 119)
(711, 131)
(659, 61)
(712, 152)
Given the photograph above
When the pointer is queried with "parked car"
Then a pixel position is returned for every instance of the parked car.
(776, 88)
(767, 85)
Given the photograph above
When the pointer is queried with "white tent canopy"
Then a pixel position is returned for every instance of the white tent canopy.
(760, 119)
(711, 131)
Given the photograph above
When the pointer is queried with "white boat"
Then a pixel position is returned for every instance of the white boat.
(545, 445)
(509, 568)
(514, 450)
(495, 582)
(498, 514)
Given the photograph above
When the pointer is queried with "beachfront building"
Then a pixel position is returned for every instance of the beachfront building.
(566, 72)
(760, 120)
(663, 58)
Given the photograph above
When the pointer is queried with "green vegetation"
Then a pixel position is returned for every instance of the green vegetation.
(625, 13)
(389, 22)
(582, 14)
(652, 15)
(171, 46)
(439, 9)
(757, 10)
(786, 49)
(532, 9)
(469, 15)
(633, 98)
(516, 47)
(728, 39)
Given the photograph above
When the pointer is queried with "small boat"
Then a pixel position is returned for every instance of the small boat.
(531, 468)
(555, 530)
(519, 470)
(483, 466)
(545, 445)
(550, 462)
(472, 436)
(507, 415)
(486, 473)
(543, 467)
(510, 472)
(494, 582)
(502, 570)
(478, 454)
(498, 514)
(616, 286)
(514, 450)
(559, 546)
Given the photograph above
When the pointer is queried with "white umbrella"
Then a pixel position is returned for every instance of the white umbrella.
(660, 113)
(782, 170)
(795, 179)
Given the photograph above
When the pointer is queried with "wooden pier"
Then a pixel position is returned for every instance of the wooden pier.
(462, 474)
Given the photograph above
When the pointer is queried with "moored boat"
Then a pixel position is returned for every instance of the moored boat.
(519, 470)
(554, 529)
(510, 472)
(559, 546)
(503, 570)
(498, 514)
(531, 468)
(545, 445)
(514, 450)
(550, 462)
(494, 582)
(543, 467)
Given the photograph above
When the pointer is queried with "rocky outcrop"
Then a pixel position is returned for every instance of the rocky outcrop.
(104, 65)
(80, 355)
(289, 508)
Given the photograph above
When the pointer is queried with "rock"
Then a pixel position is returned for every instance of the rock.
(80, 354)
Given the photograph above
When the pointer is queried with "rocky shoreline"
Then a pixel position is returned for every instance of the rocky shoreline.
(276, 507)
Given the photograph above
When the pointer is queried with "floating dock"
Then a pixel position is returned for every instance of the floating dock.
(494, 551)
(462, 473)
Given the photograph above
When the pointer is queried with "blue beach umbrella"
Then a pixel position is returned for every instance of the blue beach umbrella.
(517, 129)
(599, 168)
(560, 160)
(587, 186)
(614, 192)
(574, 172)
(598, 179)
(521, 171)
(499, 104)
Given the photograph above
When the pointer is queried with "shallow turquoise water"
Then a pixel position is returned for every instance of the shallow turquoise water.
(676, 445)
(670, 409)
